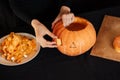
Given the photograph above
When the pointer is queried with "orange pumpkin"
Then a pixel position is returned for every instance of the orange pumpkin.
(75, 39)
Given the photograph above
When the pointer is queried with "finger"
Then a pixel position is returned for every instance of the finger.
(48, 44)
(72, 17)
(64, 19)
(51, 44)
(68, 19)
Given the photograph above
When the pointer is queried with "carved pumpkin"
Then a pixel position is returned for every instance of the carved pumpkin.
(75, 39)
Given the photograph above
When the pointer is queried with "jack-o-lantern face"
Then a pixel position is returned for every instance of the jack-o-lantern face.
(75, 39)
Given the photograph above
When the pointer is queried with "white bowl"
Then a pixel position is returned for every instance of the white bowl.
(3, 61)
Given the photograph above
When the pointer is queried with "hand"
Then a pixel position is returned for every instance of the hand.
(41, 31)
(66, 16)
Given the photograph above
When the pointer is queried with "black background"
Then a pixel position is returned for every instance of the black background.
(50, 64)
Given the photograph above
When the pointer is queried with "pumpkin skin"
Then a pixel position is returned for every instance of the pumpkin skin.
(77, 38)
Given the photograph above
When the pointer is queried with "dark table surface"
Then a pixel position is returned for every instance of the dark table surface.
(50, 64)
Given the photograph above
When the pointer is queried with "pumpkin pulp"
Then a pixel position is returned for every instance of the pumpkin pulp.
(76, 26)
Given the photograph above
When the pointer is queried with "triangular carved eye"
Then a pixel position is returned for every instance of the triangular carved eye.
(73, 45)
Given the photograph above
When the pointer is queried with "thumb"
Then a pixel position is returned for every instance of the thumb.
(51, 35)
(54, 22)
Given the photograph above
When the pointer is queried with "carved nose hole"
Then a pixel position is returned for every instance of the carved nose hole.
(73, 45)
